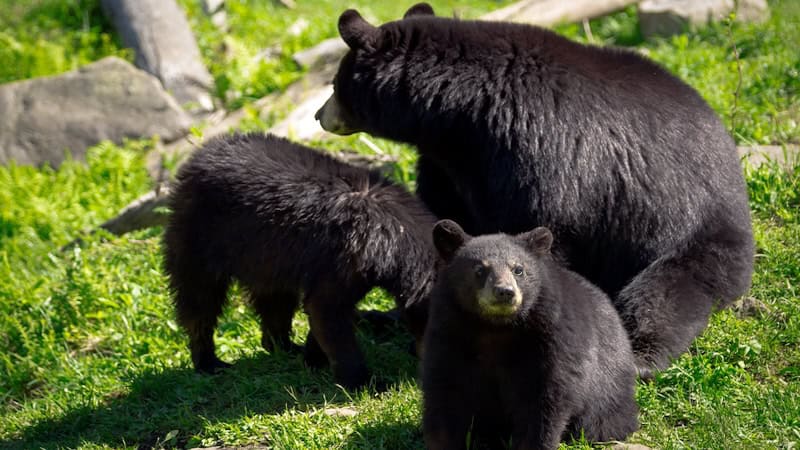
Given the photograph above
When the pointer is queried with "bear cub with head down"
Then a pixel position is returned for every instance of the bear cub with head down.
(293, 226)
(518, 347)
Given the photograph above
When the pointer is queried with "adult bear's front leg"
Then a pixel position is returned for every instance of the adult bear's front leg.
(439, 193)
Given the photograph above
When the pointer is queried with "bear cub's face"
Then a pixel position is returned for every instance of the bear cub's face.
(496, 277)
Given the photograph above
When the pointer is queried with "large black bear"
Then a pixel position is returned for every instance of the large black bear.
(517, 346)
(293, 225)
(518, 127)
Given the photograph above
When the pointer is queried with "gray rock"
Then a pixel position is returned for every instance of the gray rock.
(785, 156)
(547, 13)
(301, 124)
(216, 10)
(747, 307)
(667, 17)
(626, 446)
(246, 447)
(752, 10)
(296, 28)
(326, 52)
(107, 100)
(340, 412)
(220, 19)
(268, 53)
(212, 6)
(159, 33)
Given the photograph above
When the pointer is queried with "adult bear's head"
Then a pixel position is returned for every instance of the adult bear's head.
(369, 91)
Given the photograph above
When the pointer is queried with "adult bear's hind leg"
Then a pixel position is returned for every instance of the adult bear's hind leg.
(668, 304)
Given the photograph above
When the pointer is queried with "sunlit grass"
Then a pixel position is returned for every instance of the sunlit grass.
(91, 357)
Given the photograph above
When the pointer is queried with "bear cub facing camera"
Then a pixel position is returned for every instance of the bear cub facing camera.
(519, 348)
(294, 227)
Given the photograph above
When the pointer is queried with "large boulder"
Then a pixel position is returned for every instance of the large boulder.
(666, 17)
(107, 100)
(159, 34)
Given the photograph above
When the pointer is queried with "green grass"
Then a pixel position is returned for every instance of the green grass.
(47, 37)
(257, 28)
(760, 107)
(91, 357)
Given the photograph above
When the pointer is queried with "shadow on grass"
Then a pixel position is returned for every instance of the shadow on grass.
(405, 435)
(158, 402)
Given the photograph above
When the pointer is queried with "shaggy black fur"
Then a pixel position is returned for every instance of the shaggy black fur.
(292, 225)
(557, 366)
(518, 127)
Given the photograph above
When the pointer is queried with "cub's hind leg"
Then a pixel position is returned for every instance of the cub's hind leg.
(330, 309)
(276, 311)
(198, 304)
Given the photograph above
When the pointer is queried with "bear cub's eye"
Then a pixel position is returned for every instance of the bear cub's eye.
(517, 270)
(480, 270)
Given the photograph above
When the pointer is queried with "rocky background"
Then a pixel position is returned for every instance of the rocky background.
(168, 90)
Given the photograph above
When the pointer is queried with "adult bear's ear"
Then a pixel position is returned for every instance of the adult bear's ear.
(539, 240)
(420, 9)
(448, 237)
(357, 32)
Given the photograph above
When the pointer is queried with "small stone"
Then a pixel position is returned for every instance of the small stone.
(246, 447)
(298, 27)
(750, 307)
(268, 53)
(212, 6)
(626, 446)
(340, 412)
(220, 19)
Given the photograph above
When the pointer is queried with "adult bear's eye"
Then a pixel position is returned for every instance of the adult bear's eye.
(517, 270)
(480, 270)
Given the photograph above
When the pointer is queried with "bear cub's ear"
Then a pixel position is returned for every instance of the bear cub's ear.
(539, 240)
(356, 32)
(448, 237)
(420, 9)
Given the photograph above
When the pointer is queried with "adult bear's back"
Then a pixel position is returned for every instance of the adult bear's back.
(620, 158)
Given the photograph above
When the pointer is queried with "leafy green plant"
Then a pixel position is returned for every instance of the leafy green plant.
(774, 190)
